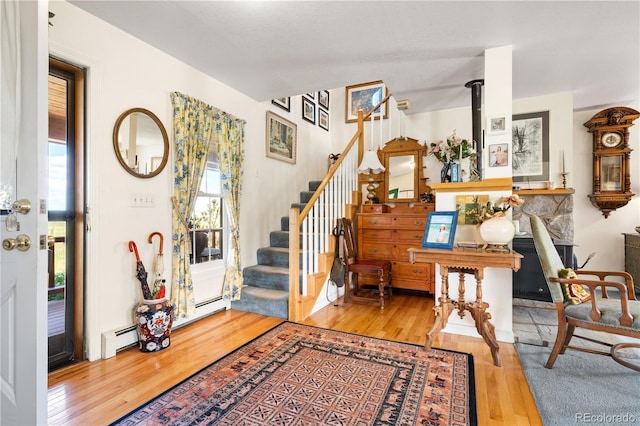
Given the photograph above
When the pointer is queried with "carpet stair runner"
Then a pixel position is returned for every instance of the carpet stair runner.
(266, 285)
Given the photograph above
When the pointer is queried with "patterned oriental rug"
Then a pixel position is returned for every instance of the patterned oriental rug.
(301, 375)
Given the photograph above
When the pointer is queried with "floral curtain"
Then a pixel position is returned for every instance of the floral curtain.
(229, 135)
(192, 127)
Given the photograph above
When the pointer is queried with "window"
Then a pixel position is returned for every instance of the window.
(206, 224)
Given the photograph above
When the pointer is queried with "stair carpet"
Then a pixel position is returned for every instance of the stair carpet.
(266, 285)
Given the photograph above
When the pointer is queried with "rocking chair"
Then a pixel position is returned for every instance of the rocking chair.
(619, 314)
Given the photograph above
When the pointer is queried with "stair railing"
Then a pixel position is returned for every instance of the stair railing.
(330, 201)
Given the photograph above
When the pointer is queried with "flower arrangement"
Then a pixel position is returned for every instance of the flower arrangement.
(453, 148)
(499, 208)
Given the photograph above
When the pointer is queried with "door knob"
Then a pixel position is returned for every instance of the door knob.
(22, 242)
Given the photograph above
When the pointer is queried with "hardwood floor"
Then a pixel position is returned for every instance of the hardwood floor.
(99, 392)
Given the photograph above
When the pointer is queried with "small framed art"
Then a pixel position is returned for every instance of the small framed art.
(284, 103)
(281, 138)
(323, 119)
(323, 99)
(498, 155)
(496, 125)
(308, 110)
(441, 230)
(365, 96)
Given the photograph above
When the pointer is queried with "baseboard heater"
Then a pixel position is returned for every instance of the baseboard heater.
(114, 341)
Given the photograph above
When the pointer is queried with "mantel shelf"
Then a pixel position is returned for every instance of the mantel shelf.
(542, 191)
(496, 184)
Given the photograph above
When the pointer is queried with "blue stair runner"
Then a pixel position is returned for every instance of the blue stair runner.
(266, 285)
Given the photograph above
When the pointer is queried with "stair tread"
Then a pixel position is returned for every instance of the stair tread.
(270, 268)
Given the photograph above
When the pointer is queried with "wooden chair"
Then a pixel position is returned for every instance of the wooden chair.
(619, 314)
(355, 266)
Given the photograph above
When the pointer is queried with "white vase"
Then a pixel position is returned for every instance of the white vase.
(497, 231)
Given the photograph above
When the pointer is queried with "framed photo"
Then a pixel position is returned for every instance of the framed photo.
(323, 99)
(282, 138)
(496, 125)
(498, 155)
(441, 230)
(530, 146)
(364, 96)
(311, 95)
(323, 119)
(308, 110)
(284, 103)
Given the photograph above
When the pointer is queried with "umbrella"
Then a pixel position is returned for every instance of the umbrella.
(158, 283)
(141, 273)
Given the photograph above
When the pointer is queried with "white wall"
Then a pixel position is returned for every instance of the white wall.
(123, 73)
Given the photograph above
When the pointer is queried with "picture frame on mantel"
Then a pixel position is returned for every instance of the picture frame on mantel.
(365, 96)
(530, 147)
(281, 140)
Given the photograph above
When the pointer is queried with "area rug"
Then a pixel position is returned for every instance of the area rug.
(301, 375)
(580, 388)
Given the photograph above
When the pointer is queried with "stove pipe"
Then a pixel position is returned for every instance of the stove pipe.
(476, 120)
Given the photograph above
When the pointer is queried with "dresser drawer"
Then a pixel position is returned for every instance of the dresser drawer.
(407, 236)
(413, 222)
(421, 272)
(375, 221)
(374, 234)
(390, 251)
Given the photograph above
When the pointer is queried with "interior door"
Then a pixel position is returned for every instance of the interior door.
(23, 141)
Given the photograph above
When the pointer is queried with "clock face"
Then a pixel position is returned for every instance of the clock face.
(611, 139)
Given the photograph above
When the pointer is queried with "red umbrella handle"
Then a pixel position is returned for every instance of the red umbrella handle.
(161, 240)
(134, 249)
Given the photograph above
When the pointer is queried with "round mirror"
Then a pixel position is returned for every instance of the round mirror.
(141, 142)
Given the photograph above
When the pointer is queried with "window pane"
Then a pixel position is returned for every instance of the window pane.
(57, 176)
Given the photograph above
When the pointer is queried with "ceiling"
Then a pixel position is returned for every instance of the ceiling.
(425, 51)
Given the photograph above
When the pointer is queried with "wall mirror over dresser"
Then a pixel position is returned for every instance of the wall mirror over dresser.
(140, 142)
(387, 229)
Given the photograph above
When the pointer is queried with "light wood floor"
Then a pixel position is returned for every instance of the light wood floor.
(99, 392)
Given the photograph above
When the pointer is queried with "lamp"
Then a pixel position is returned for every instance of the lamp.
(370, 164)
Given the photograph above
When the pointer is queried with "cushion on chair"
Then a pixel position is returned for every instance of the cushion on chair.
(574, 294)
(610, 309)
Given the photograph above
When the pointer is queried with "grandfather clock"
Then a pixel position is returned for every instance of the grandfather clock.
(611, 155)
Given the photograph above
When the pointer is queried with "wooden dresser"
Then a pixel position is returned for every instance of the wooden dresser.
(386, 233)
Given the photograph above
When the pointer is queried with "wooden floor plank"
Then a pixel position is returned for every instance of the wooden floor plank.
(91, 393)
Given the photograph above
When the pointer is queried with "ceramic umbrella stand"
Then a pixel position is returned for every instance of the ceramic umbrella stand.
(154, 315)
(154, 319)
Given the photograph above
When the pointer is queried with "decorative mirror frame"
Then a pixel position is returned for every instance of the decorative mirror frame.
(401, 147)
(165, 141)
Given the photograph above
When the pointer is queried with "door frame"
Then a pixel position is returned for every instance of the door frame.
(79, 206)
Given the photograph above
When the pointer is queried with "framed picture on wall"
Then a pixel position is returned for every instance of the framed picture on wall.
(496, 125)
(323, 119)
(441, 230)
(308, 110)
(284, 103)
(530, 146)
(323, 99)
(498, 155)
(281, 138)
(365, 96)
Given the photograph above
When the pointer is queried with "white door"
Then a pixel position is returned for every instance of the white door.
(23, 124)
